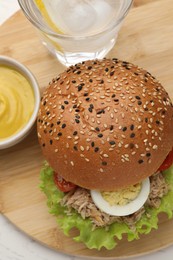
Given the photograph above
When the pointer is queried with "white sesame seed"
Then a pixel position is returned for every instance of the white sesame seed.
(82, 148)
(155, 147)
(72, 163)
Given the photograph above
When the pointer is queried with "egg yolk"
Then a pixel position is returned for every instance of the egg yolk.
(123, 196)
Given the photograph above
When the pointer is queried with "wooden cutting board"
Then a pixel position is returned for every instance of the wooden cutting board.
(146, 39)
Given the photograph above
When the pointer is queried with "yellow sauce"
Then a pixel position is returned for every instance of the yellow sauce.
(16, 101)
(123, 196)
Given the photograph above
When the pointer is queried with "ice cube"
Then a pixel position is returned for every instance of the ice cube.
(79, 17)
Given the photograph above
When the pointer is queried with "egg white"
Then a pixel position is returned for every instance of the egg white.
(117, 210)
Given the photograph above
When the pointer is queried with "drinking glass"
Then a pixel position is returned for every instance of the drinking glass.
(77, 30)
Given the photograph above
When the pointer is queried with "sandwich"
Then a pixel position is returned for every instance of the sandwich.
(105, 130)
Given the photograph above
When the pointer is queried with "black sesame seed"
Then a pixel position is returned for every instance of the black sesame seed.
(106, 69)
(63, 125)
(124, 128)
(63, 107)
(87, 99)
(50, 131)
(148, 154)
(77, 121)
(90, 67)
(85, 94)
(104, 163)
(132, 135)
(77, 116)
(73, 81)
(59, 134)
(139, 103)
(47, 113)
(136, 73)
(146, 109)
(100, 135)
(137, 97)
(111, 127)
(116, 100)
(146, 120)
(92, 144)
(100, 112)
(75, 148)
(78, 72)
(102, 81)
(157, 122)
(74, 106)
(51, 142)
(77, 110)
(112, 142)
(140, 161)
(75, 133)
(66, 102)
(112, 73)
(132, 127)
(97, 129)
(90, 109)
(92, 106)
(113, 95)
(96, 149)
(44, 103)
(91, 80)
(43, 145)
(51, 125)
(59, 122)
(80, 87)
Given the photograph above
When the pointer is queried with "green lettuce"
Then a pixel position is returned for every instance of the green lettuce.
(102, 237)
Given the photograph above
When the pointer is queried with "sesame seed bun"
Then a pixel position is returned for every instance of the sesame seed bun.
(105, 124)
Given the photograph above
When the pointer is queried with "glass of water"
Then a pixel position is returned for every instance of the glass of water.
(77, 30)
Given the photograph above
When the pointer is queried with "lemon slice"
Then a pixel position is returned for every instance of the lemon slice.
(41, 6)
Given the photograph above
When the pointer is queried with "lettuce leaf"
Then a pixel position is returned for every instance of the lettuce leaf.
(102, 237)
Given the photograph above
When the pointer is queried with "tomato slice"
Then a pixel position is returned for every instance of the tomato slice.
(167, 162)
(62, 184)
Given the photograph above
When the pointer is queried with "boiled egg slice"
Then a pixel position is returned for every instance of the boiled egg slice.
(122, 210)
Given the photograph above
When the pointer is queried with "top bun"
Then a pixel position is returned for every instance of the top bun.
(105, 124)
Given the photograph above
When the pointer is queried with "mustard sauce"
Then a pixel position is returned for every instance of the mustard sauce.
(16, 101)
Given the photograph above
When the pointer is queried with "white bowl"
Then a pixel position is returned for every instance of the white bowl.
(21, 134)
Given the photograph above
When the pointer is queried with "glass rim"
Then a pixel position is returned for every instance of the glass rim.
(50, 32)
